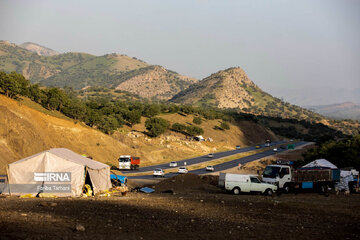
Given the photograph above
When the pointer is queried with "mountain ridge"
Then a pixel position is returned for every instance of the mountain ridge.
(81, 70)
(38, 49)
(345, 110)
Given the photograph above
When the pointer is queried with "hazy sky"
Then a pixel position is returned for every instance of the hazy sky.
(280, 44)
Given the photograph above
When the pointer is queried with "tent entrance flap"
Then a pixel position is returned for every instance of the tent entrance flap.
(88, 188)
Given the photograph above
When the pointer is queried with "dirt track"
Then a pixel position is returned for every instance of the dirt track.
(190, 214)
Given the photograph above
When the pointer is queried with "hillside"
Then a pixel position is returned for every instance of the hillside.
(347, 110)
(98, 71)
(80, 70)
(26, 128)
(40, 50)
(232, 89)
(33, 66)
(154, 82)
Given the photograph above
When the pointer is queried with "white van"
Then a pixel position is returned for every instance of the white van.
(245, 183)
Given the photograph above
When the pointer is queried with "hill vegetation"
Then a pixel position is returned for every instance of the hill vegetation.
(232, 90)
(342, 153)
(108, 114)
(81, 70)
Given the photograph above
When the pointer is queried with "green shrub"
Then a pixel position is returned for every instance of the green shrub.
(156, 126)
(178, 127)
(225, 126)
(197, 120)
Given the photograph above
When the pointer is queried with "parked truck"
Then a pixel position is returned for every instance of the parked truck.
(237, 183)
(129, 162)
(287, 178)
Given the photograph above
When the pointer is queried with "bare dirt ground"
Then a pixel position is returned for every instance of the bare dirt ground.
(192, 208)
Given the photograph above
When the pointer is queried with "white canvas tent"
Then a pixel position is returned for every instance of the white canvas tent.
(321, 163)
(60, 160)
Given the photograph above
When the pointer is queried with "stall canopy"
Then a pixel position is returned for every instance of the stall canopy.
(320, 163)
(52, 167)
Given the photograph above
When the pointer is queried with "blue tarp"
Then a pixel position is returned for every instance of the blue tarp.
(122, 179)
(146, 190)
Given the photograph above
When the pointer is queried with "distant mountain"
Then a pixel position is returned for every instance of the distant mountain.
(33, 66)
(232, 89)
(325, 95)
(347, 110)
(80, 70)
(40, 50)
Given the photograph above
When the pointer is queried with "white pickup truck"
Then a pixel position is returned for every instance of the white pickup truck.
(238, 183)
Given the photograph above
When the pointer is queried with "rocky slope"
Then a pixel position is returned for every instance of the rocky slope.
(232, 89)
(38, 49)
(224, 89)
(155, 82)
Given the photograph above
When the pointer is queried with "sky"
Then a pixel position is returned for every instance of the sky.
(285, 46)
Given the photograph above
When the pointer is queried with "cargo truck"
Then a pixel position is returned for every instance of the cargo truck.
(128, 162)
(286, 178)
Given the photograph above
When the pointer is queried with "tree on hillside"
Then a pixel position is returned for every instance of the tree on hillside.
(36, 94)
(197, 120)
(133, 117)
(108, 124)
(344, 153)
(178, 127)
(13, 84)
(224, 125)
(156, 126)
(151, 110)
(75, 109)
(57, 99)
(194, 130)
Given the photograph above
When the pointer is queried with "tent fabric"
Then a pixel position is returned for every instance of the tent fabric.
(345, 178)
(320, 163)
(60, 160)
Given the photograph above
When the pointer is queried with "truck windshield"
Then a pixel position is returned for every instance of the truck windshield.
(271, 172)
(124, 159)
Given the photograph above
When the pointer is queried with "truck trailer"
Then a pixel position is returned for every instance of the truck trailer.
(127, 162)
(286, 178)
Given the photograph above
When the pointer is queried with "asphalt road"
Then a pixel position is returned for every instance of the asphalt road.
(222, 166)
(200, 159)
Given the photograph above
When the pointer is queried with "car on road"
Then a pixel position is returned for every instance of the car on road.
(182, 170)
(158, 172)
(258, 146)
(267, 144)
(210, 168)
(275, 150)
(211, 155)
(238, 147)
(173, 164)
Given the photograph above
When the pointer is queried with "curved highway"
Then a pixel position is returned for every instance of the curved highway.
(200, 159)
(221, 166)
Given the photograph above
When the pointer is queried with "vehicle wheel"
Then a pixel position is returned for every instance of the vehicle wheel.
(269, 192)
(236, 191)
(286, 188)
(323, 189)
